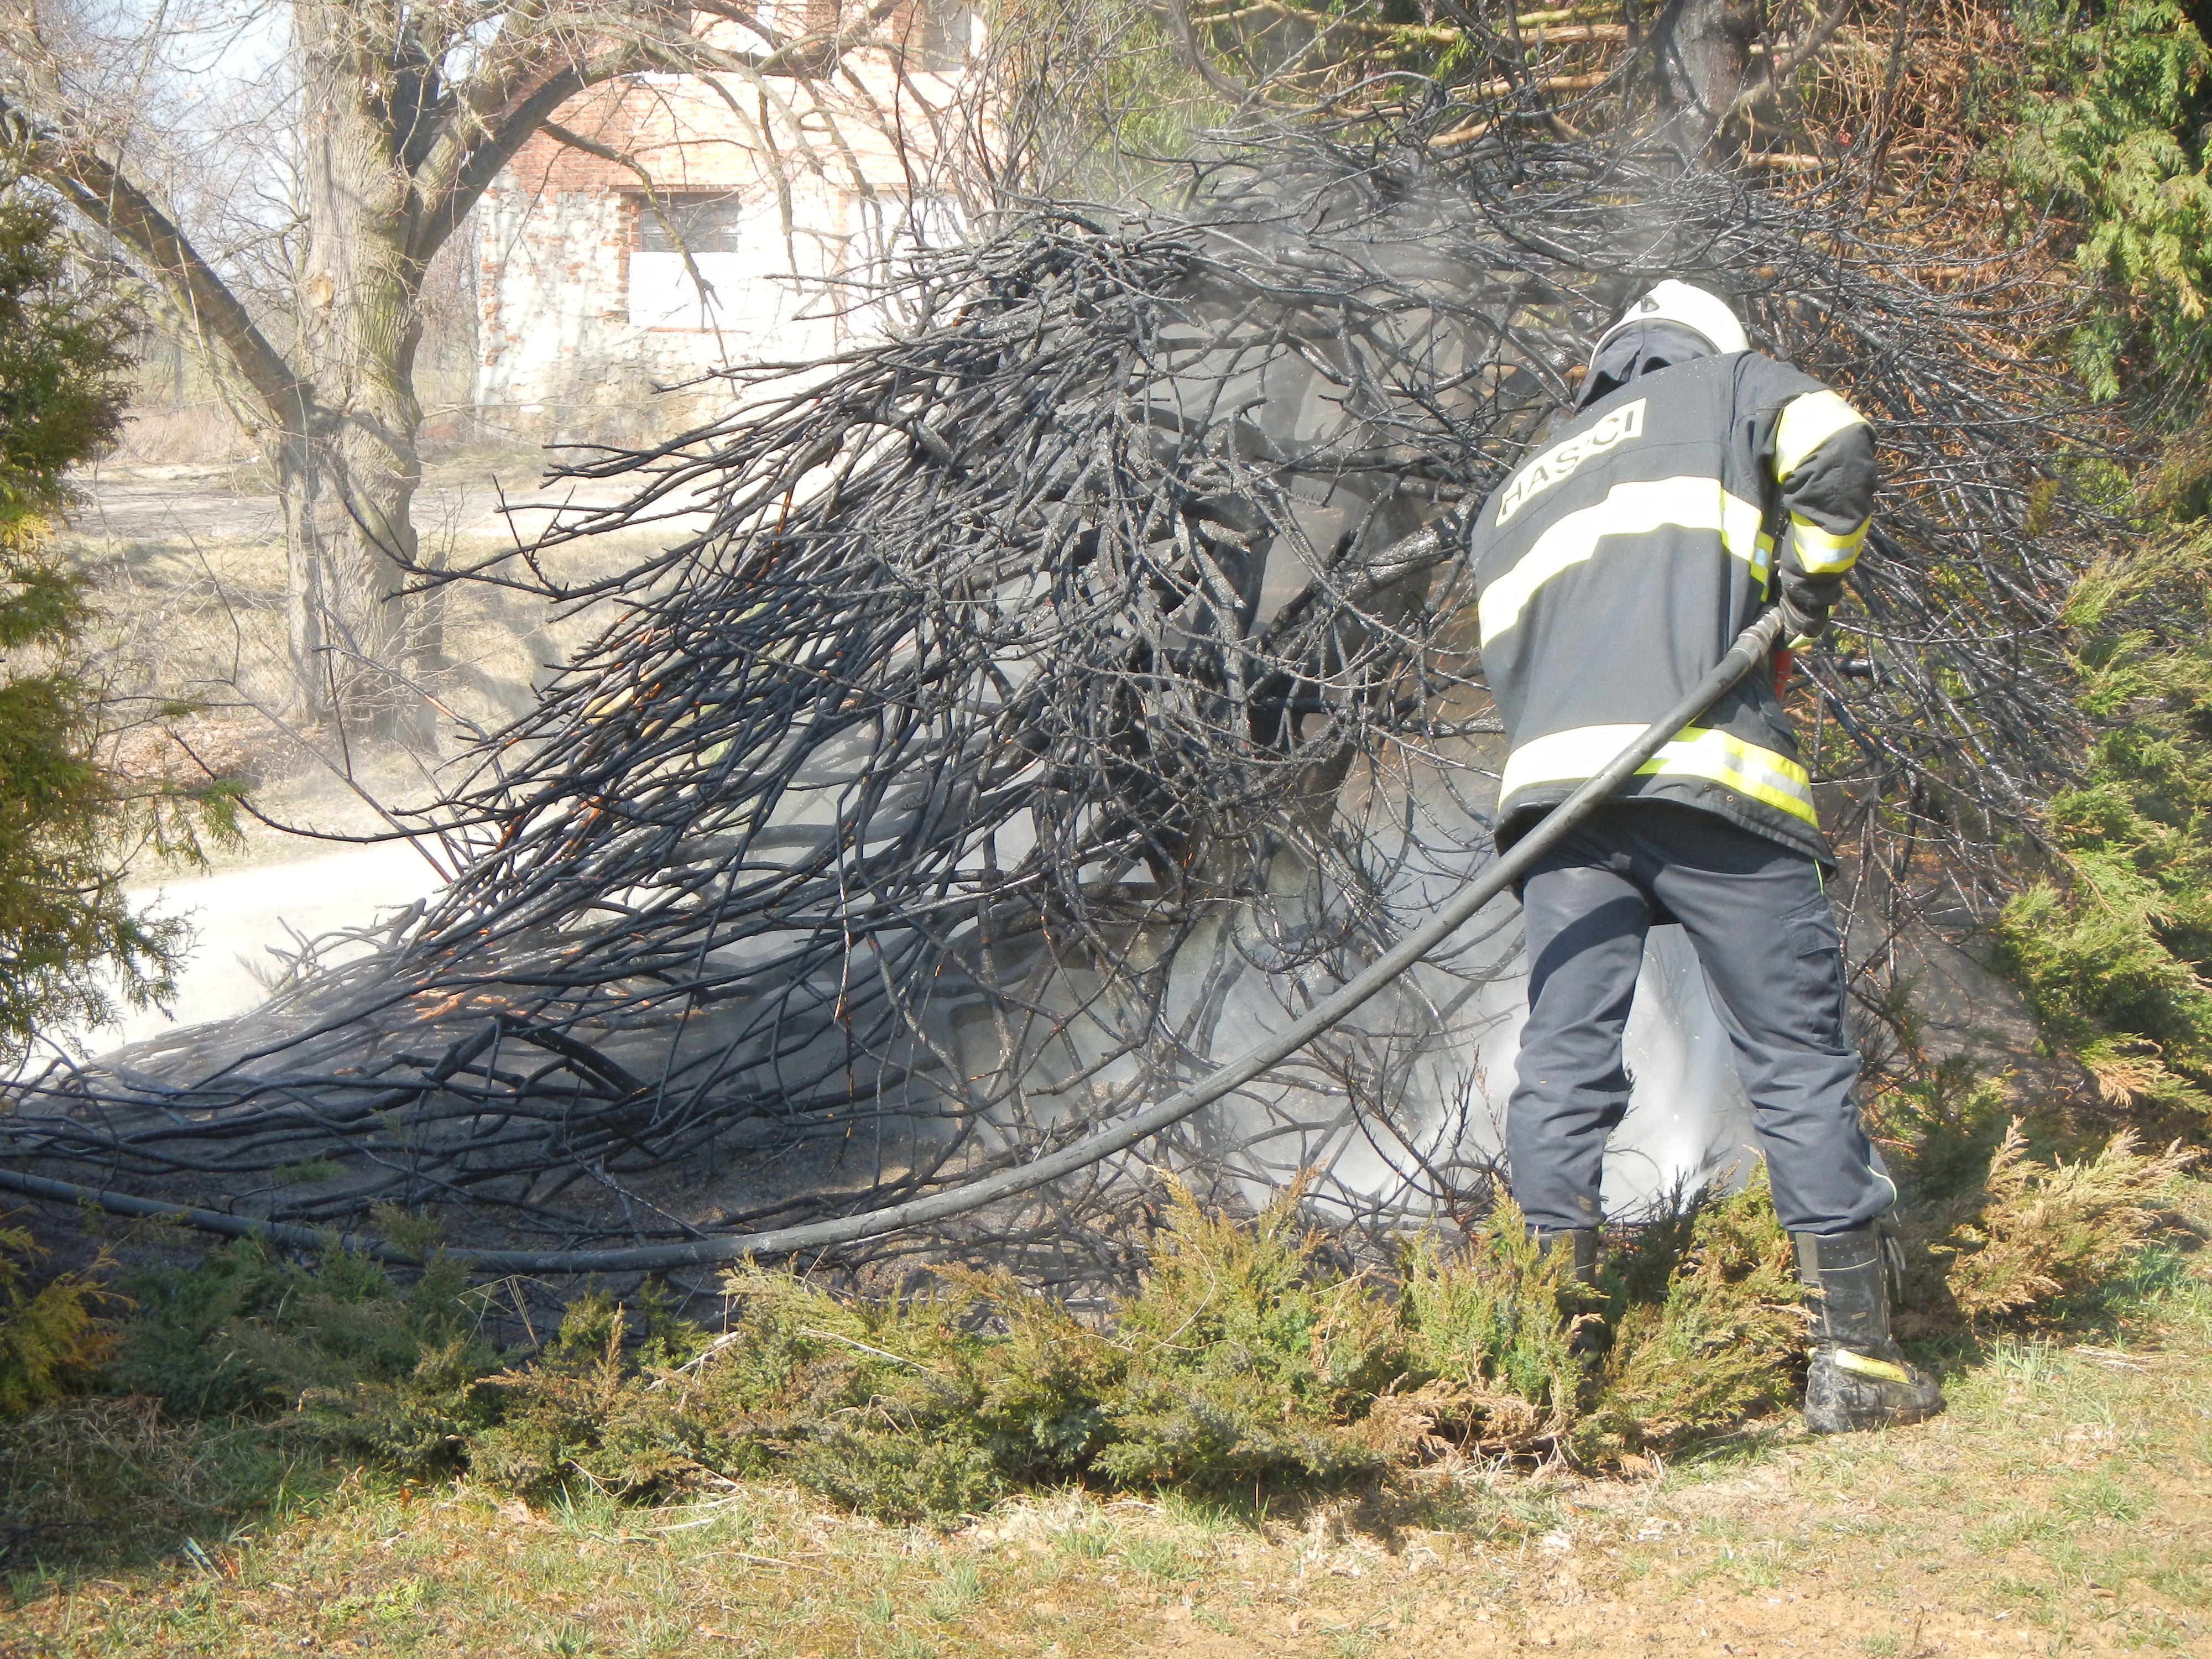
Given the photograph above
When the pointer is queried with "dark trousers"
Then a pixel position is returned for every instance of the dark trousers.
(1755, 910)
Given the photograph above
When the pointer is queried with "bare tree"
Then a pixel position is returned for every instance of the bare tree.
(401, 113)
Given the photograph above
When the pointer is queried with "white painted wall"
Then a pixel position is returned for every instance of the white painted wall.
(579, 330)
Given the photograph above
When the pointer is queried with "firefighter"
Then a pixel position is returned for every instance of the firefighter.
(1696, 483)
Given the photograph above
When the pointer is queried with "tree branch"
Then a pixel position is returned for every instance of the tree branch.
(456, 171)
(1809, 47)
(577, 141)
(1193, 55)
(515, 93)
(106, 194)
(809, 58)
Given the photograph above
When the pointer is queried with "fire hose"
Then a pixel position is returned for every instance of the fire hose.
(1753, 645)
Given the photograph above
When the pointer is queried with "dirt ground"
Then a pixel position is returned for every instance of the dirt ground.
(186, 564)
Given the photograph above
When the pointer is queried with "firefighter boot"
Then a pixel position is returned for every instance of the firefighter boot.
(1581, 1240)
(1587, 1336)
(1860, 1379)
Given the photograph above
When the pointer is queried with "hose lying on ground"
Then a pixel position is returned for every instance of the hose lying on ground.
(1755, 643)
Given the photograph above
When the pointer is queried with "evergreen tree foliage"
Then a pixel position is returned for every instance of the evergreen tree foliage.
(64, 354)
(2116, 959)
(2113, 130)
(2113, 946)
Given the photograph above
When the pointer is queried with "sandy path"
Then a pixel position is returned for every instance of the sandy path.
(237, 915)
(155, 504)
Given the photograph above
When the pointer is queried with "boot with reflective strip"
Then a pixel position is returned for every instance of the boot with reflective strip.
(1860, 1378)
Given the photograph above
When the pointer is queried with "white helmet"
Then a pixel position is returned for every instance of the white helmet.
(1703, 314)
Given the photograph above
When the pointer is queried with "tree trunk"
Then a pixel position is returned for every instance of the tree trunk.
(1701, 52)
(300, 484)
(360, 324)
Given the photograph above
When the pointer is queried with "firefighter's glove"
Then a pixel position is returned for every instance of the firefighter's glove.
(1802, 624)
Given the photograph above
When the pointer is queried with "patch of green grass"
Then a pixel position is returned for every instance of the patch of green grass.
(1754, 1573)
(2027, 1363)
(2101, 1496)
(1206, 1513)
(568, 1641)
(1159, 1558)
(957, 1591)
(120, 1482)
(2010, 1531)
(1086, 1543)
(1513, 1508)
(880, 1608)
(2188, 1583)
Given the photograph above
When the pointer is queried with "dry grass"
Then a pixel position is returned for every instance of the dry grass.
(2059, 1507)
(159, 433)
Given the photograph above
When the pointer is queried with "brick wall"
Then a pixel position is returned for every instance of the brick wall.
(563, 359)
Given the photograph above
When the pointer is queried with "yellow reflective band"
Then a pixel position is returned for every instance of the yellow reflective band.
(1867, 1366)
(1806, 424)
(1822, 552)
(1630, 509)
(1716, 755)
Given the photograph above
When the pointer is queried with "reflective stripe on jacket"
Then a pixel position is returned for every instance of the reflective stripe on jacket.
(1614, 567)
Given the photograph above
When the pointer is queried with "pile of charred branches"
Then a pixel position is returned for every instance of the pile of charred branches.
(1034, 703)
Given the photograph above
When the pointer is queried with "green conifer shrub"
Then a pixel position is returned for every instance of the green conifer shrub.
(1488, 1329)
(1250, 1360)
(2041, 1233)
(50, 1338)
(2111, 949)
(906, 1406)
(1243, 1357)
(64, 354)
(1720, 1345)
(2112, 130)
(341, 1356)
(64, 819)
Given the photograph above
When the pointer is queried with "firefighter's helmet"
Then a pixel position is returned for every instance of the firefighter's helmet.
(1703, 313)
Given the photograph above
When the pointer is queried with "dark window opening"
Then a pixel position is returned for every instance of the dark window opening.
(941, 34)
(707, 224)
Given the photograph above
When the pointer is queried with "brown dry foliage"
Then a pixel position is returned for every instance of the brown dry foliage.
(50, 1338)
(2043, 1231)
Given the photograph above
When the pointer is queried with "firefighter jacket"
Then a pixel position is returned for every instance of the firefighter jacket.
(1615, 567)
